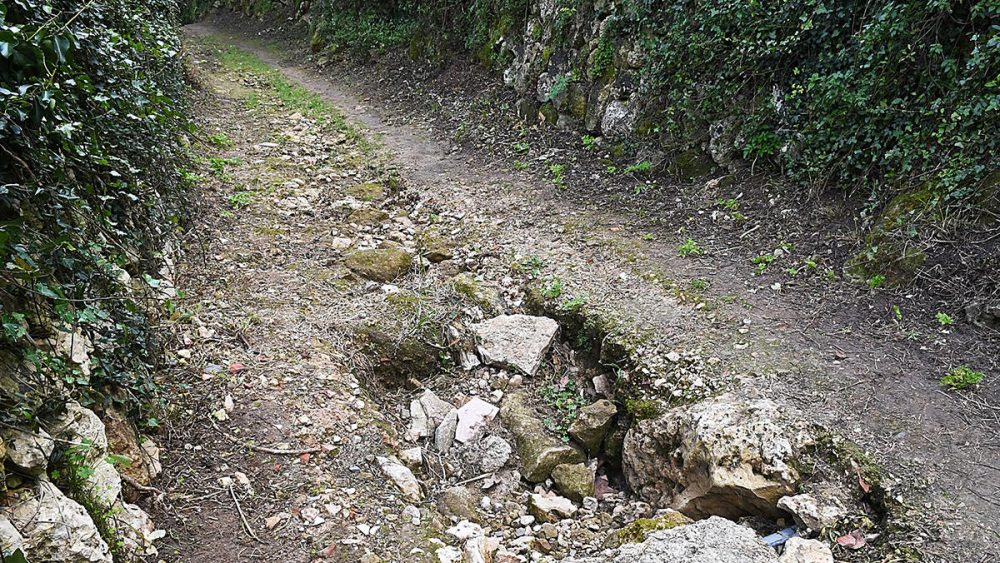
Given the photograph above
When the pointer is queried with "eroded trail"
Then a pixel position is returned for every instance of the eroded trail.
(334, 270)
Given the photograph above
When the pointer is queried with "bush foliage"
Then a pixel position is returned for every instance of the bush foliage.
(88, 192)
(863, 95)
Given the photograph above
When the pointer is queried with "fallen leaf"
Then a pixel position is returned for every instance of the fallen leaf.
(861, 480)
(329, 551)
(304, 458)
(852, 540)
(236, 367)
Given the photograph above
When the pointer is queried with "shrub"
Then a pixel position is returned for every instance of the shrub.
(869, 96)
(962, 377)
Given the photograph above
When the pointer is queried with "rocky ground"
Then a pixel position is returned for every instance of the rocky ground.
(387, 350)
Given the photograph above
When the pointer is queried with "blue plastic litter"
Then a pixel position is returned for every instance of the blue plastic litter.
(779, 538)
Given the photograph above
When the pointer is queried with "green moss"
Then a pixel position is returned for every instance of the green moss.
(394, 358)
(638, 531)
(577, 102)
(405, 301)
(549, 112)
(692, 163)
(467, 286)
(367, 216)
(642, 409)
(379, 264)
(435, 246)
(369, 191)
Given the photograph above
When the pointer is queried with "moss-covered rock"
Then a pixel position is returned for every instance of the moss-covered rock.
(368, 191)
(889, 255)
(574, 480)
(435, 246)
(539, 451)
(639, 530)
(549, 112)
(379, 264)
(469, 287)
(692, 163)
(394, 359)
(367, 216)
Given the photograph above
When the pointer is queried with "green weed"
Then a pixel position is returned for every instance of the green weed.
(689, 248)
(962, 377)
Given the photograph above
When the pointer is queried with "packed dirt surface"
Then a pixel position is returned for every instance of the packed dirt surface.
(333, 224)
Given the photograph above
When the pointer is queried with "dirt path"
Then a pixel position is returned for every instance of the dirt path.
(270, 361)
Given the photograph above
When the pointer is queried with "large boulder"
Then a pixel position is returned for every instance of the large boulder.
(715, 540)
(725, 456)
(54, 526)
(539, 451)
(515, 341)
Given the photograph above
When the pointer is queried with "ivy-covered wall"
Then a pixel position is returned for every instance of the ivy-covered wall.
(874, 98)
(89, 147)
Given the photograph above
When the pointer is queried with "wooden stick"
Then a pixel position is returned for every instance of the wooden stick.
(243, 518)
(274, 451)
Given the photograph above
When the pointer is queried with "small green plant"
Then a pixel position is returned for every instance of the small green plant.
(649, 236)
(639, 167)
(521, 147)
(699, 284)
(218, 165)
(558, 172)
(729, 204)
(220, 139)
(574, 304)
(762, 261)
(241, 199)
(553, 289)
(567, 402)
(532, 265)
(689, 248)
(521, 165)
(876, 281)
(962, 377)
(560, 85)
(589, 143)
(897, 313)
(944, 319)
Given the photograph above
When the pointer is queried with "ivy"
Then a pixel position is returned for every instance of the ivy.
(89, 192)
(871, 97)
